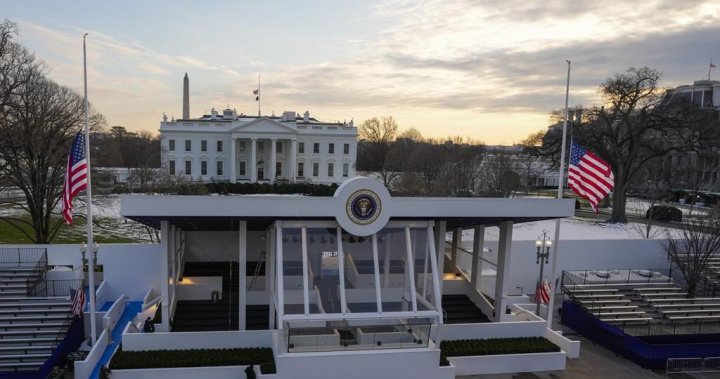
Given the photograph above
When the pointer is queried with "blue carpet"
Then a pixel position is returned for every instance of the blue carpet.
(132, 308)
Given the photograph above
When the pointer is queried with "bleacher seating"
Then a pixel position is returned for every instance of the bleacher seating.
(30, 327)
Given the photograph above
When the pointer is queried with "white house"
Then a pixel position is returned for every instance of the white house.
(240, 148)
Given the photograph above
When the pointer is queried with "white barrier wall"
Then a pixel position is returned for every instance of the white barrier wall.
(130, 269)
(577, 255)
(205, 340)
(84, 368)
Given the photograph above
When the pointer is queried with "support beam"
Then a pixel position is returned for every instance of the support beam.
(456, 240)
(292, 169)
(478, 246)
(242, 276)
(270, 275)
(164, 254)
(502, 279)
(440, 228)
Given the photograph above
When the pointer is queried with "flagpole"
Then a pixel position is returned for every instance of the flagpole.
(90, 244)
(258, 95)
(710, 68)
(553, 271)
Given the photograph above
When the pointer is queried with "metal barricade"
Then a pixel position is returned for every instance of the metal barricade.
(683, 365)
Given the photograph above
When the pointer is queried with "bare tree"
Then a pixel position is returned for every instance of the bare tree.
(635, 126)
(532, 145)
(378, 135)
(501, 177)
(691, 246)
(38, 119)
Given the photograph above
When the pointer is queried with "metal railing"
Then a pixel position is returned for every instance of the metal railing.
(21, 255)
(692, 365)
(56, 287)
(610, 276)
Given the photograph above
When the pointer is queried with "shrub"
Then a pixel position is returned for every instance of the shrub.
(260, 356)
(664, 213)
(494, 346)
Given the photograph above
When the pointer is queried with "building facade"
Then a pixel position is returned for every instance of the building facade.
(240, 148)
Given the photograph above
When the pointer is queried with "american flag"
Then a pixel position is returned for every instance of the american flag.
(75, 176)
(78, 302)
(589, 176)
(542, 293)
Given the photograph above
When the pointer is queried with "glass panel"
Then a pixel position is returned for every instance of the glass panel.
(323, 262)
(423, 269)
(395, 283)
(363, 334)
(292, 271)
(359, 274)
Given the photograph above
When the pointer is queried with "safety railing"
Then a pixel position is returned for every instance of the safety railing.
(692, 365)
(55, 287)
(22, 256)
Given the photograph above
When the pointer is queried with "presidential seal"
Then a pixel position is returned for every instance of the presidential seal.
(363, 207)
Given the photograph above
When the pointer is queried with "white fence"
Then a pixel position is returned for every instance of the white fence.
(205, 340)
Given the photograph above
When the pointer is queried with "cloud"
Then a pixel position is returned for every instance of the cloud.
(477, 65)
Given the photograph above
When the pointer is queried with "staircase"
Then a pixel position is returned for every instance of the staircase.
(459, 309)
(205, 315)
(30, 327)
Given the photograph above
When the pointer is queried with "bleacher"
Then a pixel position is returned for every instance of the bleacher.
(30, 326)
(661, 303)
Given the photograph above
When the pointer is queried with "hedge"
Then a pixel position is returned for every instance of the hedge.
(277, 188)
(494, 346)
(194, 358)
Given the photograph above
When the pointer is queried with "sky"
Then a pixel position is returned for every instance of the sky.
(487, 70)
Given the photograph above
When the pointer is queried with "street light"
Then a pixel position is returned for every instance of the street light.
(543, 252)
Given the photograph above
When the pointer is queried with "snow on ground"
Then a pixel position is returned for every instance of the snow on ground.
(574, 228)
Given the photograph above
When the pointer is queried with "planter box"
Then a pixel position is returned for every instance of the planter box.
(509, 363)
(215, 372)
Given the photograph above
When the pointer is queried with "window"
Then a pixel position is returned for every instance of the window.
(331, 169)
(301, 169)
(242, 168)
(171, 167)
(316, 168)
(331, 148)
(203, 167)
(171, 145)
(346, 148)
(261, 145)
(219, 170)
(188, 167)
(278, 169)
(346, 170)
(241, 146)
(203, 145)
(278, 147)
(316, 148)
(188, 145)
(219, 146)
(301, 147)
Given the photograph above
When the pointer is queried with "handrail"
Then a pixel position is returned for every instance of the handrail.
(258, 266)
(19, 255)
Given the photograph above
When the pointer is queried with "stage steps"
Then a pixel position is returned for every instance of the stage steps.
(461, 310)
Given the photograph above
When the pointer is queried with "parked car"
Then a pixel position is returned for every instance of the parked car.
(664, 213)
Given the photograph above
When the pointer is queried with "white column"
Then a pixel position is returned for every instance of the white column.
(502, 281)
(253, 160)
(233, 161)
(164, 253)
(440, 228)
(270, 275)
(172, 248)
(478, 245)
(242, 277)
(293, 160)
(456, 238)
(273, 159)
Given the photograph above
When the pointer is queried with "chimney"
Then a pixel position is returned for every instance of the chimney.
(213, 114)
(306, 116)
(186, 97)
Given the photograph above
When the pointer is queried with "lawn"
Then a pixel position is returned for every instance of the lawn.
(105, 230)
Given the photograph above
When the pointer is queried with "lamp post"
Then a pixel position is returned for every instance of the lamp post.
(543, 252)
